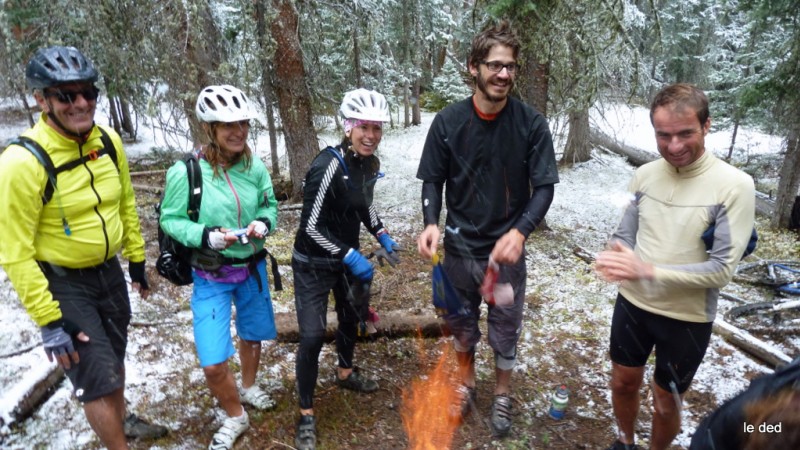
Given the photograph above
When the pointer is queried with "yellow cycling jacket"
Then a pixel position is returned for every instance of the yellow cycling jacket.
(96, 200)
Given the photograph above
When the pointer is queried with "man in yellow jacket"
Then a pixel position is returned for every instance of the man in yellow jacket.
(61, 229)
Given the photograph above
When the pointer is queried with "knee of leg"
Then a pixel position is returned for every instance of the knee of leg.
(310, 346)
(625, 385)
(216, 372)
(503, 362)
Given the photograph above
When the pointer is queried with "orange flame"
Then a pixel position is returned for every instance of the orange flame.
(426, 406)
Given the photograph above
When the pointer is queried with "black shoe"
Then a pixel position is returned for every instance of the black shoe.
(501, 415)
(305, 437)
(618, 445)
(356, 382)
(139, 429)
(465, 401)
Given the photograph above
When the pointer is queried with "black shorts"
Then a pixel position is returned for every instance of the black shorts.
(95, 299)
(680, 345)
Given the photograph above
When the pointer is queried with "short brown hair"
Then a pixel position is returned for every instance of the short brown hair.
(682, 95)
(495, 34)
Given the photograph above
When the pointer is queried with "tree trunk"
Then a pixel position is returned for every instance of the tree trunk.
(577, 148)
(356, 48)
(112, 107)
(736, 120)
(535, 88)
(416, 117)
(789, 181)
(267, 83)
(126, 119)
(294, 100)
(406, 105)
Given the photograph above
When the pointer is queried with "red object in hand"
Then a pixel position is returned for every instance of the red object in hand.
(489, 280)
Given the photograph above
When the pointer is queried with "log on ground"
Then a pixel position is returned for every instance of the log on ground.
(392, 324)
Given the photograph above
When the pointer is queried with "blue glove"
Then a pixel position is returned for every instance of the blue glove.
(388, 243)
(57, 338)
(358, 265)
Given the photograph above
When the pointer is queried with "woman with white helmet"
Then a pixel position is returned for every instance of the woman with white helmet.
(337, 199)
(237, 200)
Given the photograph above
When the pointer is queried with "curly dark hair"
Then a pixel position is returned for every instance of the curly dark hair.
(495, 34)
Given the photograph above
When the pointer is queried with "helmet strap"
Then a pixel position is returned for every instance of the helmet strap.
(80, 136)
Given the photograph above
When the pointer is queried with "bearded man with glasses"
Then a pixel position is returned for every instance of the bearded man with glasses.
(68, 208)
(495, 156)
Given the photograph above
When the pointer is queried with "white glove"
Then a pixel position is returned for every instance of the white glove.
(216, 240)
(259, 228)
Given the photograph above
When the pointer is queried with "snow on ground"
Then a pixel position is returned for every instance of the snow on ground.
(587, 206)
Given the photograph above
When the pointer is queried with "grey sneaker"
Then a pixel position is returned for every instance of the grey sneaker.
(501, 415)
(357, 382)
(306, 436)
(231, 429)
(137, 428)
(257, 398)
(465, 401)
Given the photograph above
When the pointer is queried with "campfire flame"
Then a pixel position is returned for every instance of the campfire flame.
(426, 405)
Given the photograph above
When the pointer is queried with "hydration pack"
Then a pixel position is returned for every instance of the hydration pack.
(174, 259)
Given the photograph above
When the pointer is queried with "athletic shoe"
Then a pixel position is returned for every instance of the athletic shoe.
(501, 415)
(256, 397)
(618, 445)
(305, 438)
(465, 401)
(137, 428)
(356, 382)
(231, 429)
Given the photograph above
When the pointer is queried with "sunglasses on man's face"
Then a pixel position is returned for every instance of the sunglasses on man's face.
(89, 94)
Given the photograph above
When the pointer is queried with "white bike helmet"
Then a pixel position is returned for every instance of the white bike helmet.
(223, 103)
(363, 104)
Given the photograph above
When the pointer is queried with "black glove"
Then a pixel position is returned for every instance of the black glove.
(136, 270)
(57, 338)
(382, 254)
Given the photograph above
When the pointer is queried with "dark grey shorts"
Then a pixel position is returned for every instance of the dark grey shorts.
(95, 299)
(504, 323)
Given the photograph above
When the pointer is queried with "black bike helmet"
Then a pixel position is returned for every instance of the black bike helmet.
(52, 66)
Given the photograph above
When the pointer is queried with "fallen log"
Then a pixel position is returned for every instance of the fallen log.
(143, 173)
(635, 156)
(30, 392)
(393, 324)
(750, 344)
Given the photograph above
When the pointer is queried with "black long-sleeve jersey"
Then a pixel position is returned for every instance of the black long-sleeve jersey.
(336, 201)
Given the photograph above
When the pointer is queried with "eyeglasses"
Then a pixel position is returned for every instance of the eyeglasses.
(497, 66)
(89, 94)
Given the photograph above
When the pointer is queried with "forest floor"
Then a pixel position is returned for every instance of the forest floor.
(561, 344)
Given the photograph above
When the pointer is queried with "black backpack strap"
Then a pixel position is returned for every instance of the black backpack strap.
(195, 178)
(109, 147)
(44, 159)
(52, 171)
